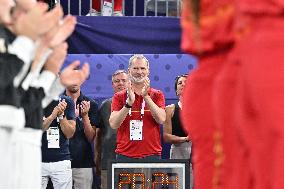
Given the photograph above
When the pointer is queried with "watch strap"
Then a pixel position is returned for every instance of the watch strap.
(127, 105)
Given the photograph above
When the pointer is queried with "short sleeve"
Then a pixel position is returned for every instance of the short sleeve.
(159, 99)
(93, 113)
(118, 101)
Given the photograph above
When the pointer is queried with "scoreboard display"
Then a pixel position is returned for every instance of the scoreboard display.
(162, 174)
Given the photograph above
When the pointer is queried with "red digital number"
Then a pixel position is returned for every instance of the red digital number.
(129, 179)
(157, 182)
(163, 181)
(122, 181)
(142, 182)
(172, 182)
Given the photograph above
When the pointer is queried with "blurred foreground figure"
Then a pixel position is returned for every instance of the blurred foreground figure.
(28, 36)
(260, 93)
(233, 105)
(206, 34)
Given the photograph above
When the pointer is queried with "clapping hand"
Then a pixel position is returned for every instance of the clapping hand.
(59, 33)
(70, 76)
(131, 96)
(146, 87)
(56, 59)
(85, 107)
(37, 21)
(59, 109)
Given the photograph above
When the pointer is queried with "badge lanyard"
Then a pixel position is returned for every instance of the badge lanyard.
(136, 126)
(142, 108)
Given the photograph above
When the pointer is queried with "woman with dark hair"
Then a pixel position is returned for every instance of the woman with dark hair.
(173, 129)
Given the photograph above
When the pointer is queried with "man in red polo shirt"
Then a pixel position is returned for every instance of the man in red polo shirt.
(137, 113)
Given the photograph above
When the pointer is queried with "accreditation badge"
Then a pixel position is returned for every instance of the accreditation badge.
(136, 129)
(52, 136)
(107, 8)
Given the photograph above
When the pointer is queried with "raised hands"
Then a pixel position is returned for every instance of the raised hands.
(34, 21)
(85, 107)
(59, 109)
(70, 76)
(59, 33)
(130, 94)
(146, 87)
(37, 21)
(56, 59)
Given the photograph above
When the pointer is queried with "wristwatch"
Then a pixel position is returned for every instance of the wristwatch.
(60, 117)
(127, 105)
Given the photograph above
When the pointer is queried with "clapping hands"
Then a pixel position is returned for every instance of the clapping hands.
(59, 109)
(146, 87)
(85, 107)
(130, 94)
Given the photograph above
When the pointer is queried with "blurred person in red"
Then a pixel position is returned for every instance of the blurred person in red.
(235, 152)
(261, 90)
(97, 6)
(207, 33)
(258, 95)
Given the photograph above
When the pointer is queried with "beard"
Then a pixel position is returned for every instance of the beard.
(134, 79)
(73, 89)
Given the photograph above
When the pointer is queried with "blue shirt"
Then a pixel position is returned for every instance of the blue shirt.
(81, 149)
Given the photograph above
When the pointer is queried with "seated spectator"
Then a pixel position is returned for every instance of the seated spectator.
(96, 8)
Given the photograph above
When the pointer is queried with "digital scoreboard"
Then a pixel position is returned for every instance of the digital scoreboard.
(162, 174)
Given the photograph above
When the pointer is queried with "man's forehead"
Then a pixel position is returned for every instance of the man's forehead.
(139, 63)
(123, 75)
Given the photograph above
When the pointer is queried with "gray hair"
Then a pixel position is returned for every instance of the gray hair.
(138, 56)
(117, 72)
